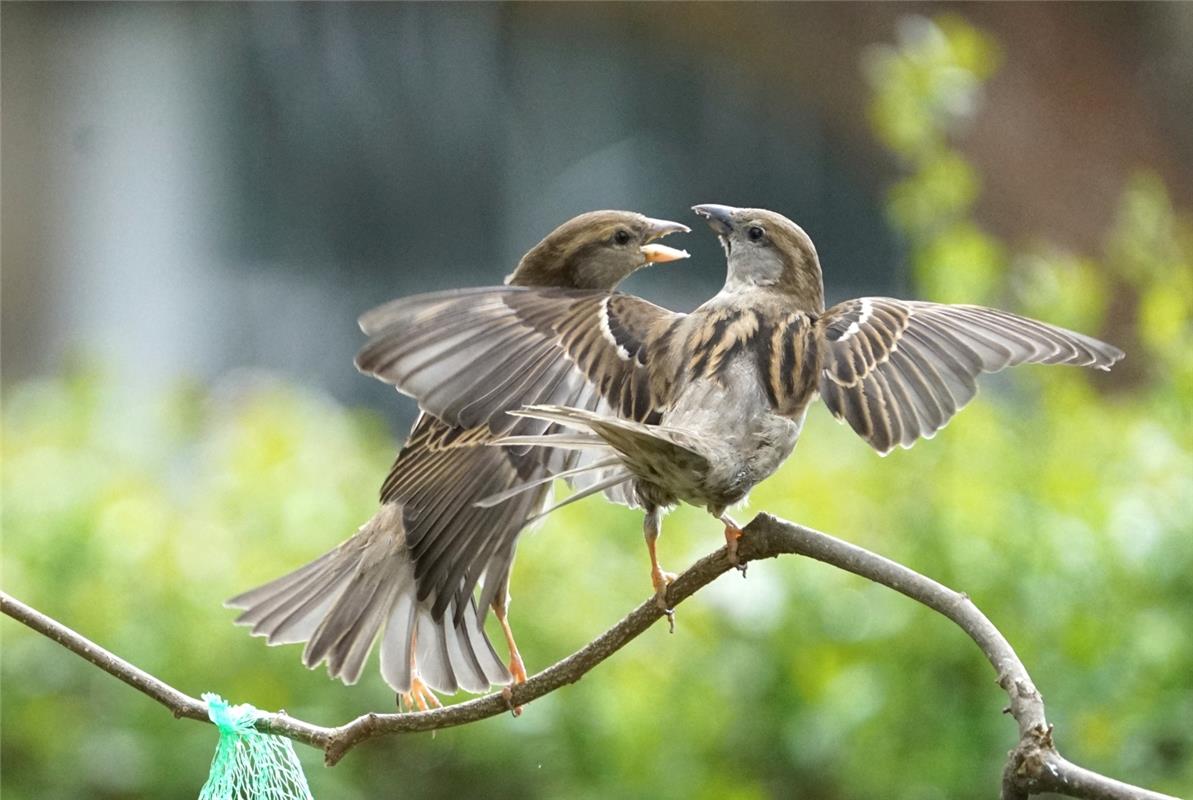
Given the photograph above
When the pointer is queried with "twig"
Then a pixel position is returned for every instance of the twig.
(180, 704)
(1033, 767)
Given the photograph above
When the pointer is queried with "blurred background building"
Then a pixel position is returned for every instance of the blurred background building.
(190, 189)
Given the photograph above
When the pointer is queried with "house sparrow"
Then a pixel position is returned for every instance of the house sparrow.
(408, 574)
(703, 406)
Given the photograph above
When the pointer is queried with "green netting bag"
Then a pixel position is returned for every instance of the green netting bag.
(248, 764)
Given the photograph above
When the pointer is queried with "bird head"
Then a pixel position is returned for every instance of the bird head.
(765, 249)
(597, 250)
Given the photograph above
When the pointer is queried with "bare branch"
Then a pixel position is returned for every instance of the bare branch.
(1033, 767)
(180, 704)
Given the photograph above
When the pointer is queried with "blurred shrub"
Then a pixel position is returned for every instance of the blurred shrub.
(1066, 513)
(927, 89)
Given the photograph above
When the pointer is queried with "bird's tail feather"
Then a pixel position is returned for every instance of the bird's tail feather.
(619, 477)
(564, 441)
(500, 497)
(341, 602)
(638, 443)
(640, 450)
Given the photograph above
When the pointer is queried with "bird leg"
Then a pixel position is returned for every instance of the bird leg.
(517, 667)
(658, 578)
(420, 696)
(733, 532)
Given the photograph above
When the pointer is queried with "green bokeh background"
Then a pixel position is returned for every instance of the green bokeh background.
(1061, 501)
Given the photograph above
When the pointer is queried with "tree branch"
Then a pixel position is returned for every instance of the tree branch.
(1033, 767)
(180, 704)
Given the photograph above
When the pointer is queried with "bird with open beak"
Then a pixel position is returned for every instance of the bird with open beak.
(700, 407)
(408, 575)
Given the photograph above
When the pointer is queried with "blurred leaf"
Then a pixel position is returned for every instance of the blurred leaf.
(934, 197)
(928, 86)
(961, 265)
(1064, 289)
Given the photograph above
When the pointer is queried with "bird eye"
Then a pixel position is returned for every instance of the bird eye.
(755, 233)
(622, 236)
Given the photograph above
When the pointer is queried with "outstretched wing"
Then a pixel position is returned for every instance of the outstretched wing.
(468, 357)
(898, 370)
(438, 478)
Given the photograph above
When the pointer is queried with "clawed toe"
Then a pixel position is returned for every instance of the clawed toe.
(658, 578)
(661, 580)
(507, 694)
(518, 671)
(517, 667)
(420, 698)
(732, 534)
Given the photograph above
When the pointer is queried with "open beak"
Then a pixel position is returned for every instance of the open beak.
(719, 218)
(659, 253)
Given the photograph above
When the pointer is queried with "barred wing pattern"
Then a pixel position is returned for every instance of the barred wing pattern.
(470, 357)
(897, 370)
(438, 478)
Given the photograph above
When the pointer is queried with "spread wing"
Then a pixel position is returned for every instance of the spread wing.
(468, 357)
(438, 478)
(897, 370)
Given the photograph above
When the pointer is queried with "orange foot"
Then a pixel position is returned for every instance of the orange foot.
(661, 580)
(732, 534)
(420, 696)
(517, 666)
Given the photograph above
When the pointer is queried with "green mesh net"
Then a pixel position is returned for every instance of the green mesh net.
(248, 764)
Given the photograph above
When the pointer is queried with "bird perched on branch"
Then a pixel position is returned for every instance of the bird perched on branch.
(408, 575)
(703, 406)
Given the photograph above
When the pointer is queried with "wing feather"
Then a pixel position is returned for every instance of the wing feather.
(470, 357)
(897, 371)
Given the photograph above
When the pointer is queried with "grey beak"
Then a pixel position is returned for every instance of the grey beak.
(719, 218)
(658, 228)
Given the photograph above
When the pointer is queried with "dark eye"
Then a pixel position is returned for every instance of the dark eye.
(755, 233)
(622, 236)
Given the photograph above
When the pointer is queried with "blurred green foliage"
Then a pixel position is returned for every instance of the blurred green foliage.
(927, 90)
(1061, 501)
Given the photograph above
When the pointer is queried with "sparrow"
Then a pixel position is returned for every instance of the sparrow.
(700, 407)
(408, 574)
